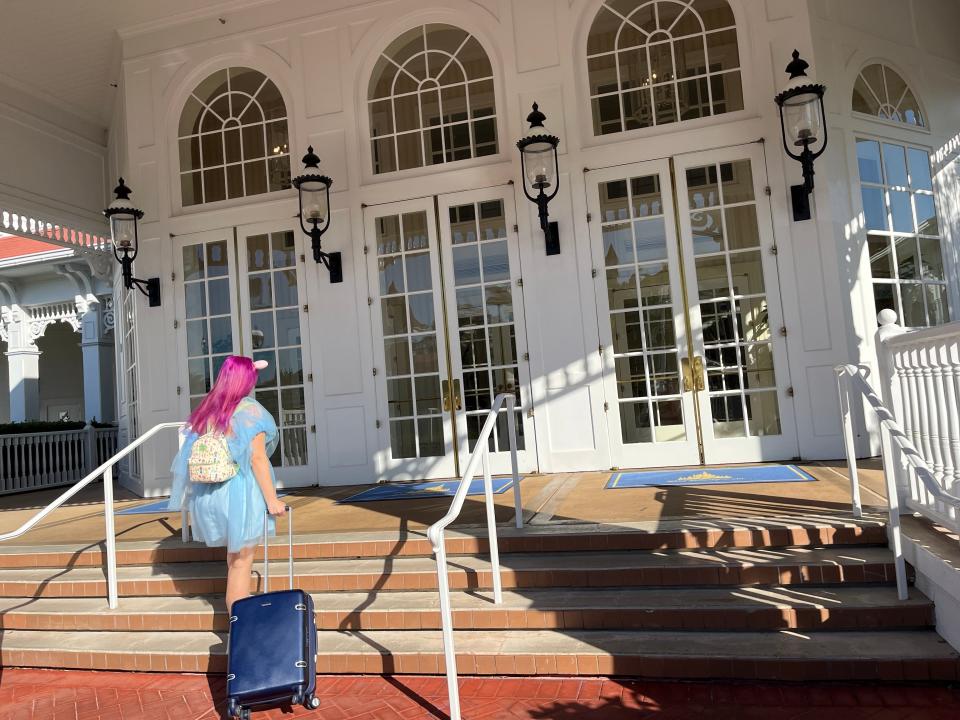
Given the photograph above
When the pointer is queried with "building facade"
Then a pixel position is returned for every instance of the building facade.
(56, 334)
(687, 318)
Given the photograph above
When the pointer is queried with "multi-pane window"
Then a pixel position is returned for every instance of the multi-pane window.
(431, 100)
(654, 62)
(131, 399)
(903, 232)
(881, 92)
(233, 139)
(274, 289)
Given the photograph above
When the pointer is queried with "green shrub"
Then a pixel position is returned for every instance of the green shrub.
(42, 426)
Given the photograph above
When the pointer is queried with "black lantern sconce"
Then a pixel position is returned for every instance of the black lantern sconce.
(541, 170)
(803, 124)
(314, 193)
(123, 217)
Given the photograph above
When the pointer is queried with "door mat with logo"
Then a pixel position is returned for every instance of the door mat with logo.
(709, 476)
(157, 506)
(421, 490)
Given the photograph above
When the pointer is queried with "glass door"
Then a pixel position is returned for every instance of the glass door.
(485, 321)
(411, 363)
(647, 375)
(273, 313)
(734, 301)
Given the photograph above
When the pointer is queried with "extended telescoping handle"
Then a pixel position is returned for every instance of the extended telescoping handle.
(266, 549)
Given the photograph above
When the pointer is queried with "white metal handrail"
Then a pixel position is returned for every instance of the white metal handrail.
(890, 431)
(481, 454)
(106, 470)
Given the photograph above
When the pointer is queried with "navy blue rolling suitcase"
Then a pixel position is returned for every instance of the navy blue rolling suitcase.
(272, 650)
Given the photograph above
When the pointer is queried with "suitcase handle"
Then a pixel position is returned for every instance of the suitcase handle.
(266, 549)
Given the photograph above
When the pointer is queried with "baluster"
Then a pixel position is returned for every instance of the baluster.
(951, 352)
(6, 467)
(938, 366)
(908, 404)
(925, 356)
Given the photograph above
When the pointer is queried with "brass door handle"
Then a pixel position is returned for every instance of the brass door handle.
(699, 376)
(457, 400)
(445, 392)
(687, 374)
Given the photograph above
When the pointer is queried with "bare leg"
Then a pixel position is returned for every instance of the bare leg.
(239, 567)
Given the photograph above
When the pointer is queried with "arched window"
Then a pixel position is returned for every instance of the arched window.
(881, 92)
(233, 138)
(431, 100)
(654, 62)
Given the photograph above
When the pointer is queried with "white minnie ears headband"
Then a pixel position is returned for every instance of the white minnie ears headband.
(260, 364)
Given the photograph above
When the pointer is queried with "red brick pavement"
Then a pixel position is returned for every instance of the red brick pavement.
(81, 695)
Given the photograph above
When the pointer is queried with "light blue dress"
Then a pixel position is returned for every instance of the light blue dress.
(230, 513)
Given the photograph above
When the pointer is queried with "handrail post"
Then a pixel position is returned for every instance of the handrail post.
(844, 389)
(446, 619)
(111, 539)
(492, 527)
(893, 503)
(514, 465)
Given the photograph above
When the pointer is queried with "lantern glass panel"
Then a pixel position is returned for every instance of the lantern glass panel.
(802, 120)
(539, 165)
(314, 200)
(123, 229)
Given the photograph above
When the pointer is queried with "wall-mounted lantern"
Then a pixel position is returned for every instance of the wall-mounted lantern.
(123, 217)
(314, 192)
(541, 170)
(803, 124)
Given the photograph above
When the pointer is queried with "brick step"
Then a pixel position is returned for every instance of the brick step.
(742, 609)
(742, 567)
(782, 656)
(665, 535)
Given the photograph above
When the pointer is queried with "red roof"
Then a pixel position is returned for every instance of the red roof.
(12, 246)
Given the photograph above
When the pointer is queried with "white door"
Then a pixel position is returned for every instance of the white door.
(447, 316)
(242, 295)
(485, 320)
(695, 363)
(736, 318)
(651, 413)
(273, 313)
(410, 360)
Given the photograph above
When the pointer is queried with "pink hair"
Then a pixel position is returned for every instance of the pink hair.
(234, 382)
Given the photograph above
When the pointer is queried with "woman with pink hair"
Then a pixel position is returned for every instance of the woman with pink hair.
(230, 513)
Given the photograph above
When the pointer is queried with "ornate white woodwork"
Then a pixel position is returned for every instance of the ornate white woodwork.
(48, 230)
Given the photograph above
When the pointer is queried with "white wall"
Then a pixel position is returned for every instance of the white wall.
(321, 63)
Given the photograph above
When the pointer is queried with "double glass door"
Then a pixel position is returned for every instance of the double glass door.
(695, 364)
(447, 316)
(241, 292)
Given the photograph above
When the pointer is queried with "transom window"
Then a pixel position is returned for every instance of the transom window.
(233, 138)
(431, 100)
(881, 92)
(654, 62)
(903, 232)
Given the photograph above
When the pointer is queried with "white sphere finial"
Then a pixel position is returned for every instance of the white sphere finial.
(886, 317)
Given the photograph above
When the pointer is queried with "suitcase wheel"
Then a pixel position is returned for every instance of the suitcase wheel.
(311, 703)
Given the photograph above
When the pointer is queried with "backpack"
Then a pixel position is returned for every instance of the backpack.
(210, 460)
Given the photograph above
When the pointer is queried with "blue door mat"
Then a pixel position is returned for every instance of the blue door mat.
(420, 490)
(709, 476)
(157, 506)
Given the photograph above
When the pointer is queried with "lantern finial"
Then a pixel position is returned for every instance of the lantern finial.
(798, 66)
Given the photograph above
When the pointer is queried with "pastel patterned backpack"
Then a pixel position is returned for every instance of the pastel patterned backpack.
(210, 460)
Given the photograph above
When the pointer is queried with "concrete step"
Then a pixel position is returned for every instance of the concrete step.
(740, 609)
(783, 656)
(740, 567)
(664, 535)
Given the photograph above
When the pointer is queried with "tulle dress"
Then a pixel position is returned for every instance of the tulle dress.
(230, 513)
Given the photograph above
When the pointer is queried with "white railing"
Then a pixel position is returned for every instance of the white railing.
(19, 223)
(106, 470)
(480, 454)
(919, 373)
(895, 449)
(30, 461)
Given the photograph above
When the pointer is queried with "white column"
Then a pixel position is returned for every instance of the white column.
(98, 370)
(23, 367)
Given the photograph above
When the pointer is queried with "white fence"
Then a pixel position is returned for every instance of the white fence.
(920, 383)
(50, 459)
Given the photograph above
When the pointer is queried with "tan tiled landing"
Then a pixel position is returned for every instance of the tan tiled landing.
(734, 566)
(558, 499)
(642, 535)
(741, 608)
(787, 656)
